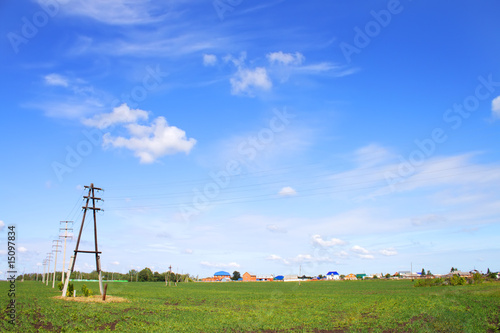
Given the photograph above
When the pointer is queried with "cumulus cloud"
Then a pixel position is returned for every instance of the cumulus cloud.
(245, 81)
(389, 252)
(495, 107)
(287, 191)
(285, 58)
(22, 249)
(318, 240)
(151, 142)
(219, 265)
(56, 80)
(209, 59)
(275, 257)
(119, 115)
(359, 249)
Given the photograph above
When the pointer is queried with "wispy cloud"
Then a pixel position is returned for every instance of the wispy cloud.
(119, 115)
(209, 59)
(220, 265)
(56, 80)
(318, 240)
(389, 252)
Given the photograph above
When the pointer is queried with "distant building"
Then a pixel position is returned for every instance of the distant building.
(265, 277)
(279, 278)
(218, 276)
(249, 277)
(291, 278)
(332, 275)
(350, 277)
(361, 276)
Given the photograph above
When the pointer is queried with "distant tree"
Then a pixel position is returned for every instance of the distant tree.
(342, 276)
(387, 275)
(375, 276)
(423, 272)
(236, 276)
(488, 272)
(145, 275)
(453, 269)
(320, 276)
(429, 272)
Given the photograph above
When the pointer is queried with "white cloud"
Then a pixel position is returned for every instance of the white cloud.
(209, 59)
(427, 219)
(327, 243)
(287, 191)
(366, 256)
(245, 81)
(285, 58)
(113, 12)
(22, 249)
(275, 257)
(188, 251)
(275, 228)
(495, 107)
(2, 224)
(219, 265)
(56, 80)
(151, 142)
(120, 114)
(115, 263)
(359, 249)
(389, 252)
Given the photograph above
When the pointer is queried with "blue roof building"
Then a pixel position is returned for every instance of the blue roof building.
(333, 275)
(279, 278)
(222, 273)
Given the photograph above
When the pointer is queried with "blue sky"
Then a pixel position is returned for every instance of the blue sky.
(254, 136)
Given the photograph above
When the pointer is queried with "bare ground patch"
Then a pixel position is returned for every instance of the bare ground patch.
(94, 299)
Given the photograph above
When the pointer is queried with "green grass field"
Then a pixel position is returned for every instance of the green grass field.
(345, 306)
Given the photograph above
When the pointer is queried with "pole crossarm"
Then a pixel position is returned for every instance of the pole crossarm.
(90, 196)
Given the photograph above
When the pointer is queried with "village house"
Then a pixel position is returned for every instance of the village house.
(332, 275)
(249, 277)
(350, 277)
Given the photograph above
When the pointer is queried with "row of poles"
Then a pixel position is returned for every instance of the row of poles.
(68, 233)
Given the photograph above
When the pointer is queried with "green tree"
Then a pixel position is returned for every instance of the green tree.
(429, 272)
(423, 272)
(387, 275)
(145, 275)
(236, 276)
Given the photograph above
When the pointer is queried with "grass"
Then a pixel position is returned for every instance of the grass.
(326, 306)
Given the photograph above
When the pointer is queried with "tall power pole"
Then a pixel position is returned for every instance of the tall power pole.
(65, 236)
(89, 196)
(49, 259)
(57, 246)
(44, 265)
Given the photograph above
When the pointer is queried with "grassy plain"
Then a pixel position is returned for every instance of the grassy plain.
(326, 306)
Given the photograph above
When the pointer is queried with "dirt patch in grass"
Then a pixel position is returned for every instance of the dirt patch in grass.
(94, 299)
(111, 326)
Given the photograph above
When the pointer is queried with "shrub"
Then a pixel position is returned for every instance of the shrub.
(429, 282)
(477, 278)
(456, 280)
(86, 291)
(60, 285)
(71, 288)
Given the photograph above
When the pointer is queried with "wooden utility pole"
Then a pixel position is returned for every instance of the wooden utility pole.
(55, 261)
(49, 259)
(65, 236)
(90, 196)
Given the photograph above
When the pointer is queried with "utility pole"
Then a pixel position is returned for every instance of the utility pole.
(55, 260)
(65, 236)
(49, 259)
(89, 196)
(43, 275)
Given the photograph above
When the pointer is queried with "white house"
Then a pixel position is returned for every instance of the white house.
(332, 276)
